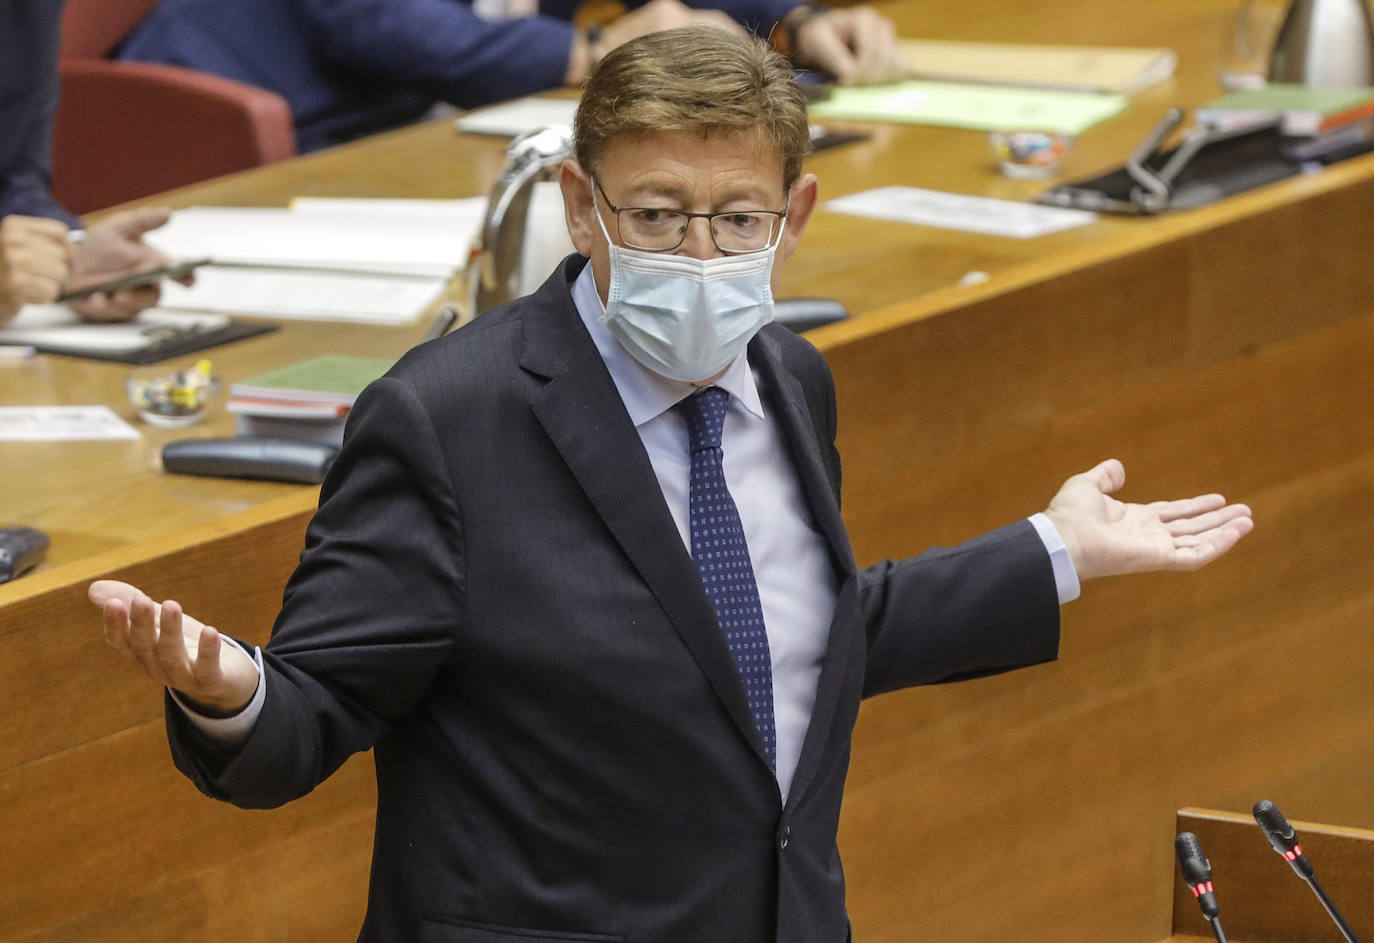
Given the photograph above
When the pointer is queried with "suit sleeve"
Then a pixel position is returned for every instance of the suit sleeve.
(442, 45)
(26, 178)
(983, 607)
(368, 617)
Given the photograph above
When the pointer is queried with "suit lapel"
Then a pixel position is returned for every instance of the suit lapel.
(586, 421)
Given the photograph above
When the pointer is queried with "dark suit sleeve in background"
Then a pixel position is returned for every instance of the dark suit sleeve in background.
(28, 101)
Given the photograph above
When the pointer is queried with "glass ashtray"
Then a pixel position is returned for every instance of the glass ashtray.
(1029, 154)
(172, 398)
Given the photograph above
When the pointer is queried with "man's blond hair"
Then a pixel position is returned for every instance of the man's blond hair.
(695, 79)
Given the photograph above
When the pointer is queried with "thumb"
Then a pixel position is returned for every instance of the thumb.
(134, 223)
(1107, 476)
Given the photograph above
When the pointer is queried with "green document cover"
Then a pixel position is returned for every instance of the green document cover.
(980, 107)
(331, 378)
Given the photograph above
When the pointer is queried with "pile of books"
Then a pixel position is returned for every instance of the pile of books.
(1320, 123)
(308, 400)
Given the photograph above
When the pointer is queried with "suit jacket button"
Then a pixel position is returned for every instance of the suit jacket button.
(784, 836)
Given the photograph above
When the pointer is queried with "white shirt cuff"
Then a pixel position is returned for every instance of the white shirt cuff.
(1065, 576)
(229, 731)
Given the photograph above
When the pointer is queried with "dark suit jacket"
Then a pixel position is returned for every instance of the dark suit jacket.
(494, 597)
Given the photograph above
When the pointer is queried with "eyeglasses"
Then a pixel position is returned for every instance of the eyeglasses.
(654, 229)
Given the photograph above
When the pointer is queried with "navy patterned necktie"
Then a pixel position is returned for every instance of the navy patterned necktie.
(722, 558)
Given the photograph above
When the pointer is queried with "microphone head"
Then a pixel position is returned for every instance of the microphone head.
(1187, 846)
(1192, 862)
(1197, 871)
(1271, 820)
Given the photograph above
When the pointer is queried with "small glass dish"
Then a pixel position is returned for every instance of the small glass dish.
(1029, 154)
(172, 398)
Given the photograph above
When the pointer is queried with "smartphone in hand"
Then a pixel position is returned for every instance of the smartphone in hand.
(136, 279)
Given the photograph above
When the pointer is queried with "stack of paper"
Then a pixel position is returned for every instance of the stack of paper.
(305, 400)
(381, 261)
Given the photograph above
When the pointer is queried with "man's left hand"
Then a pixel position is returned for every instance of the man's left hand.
(857, 45)
(115, 247)
(1105, 536)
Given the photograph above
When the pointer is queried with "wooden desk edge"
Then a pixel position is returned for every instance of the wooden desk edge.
(288, 509)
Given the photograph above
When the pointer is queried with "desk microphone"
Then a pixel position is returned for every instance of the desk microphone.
(1285, 842)
(1197, 872)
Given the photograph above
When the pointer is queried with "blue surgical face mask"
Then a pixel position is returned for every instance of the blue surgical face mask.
(686, 318)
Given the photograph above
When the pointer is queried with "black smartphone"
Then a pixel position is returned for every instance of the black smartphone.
(137, 279)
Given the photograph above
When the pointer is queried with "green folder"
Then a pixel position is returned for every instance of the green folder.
(980, 107)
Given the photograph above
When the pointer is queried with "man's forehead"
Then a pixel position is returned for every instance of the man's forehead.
(667, 160)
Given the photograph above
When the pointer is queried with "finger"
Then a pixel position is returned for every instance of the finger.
(823, 46)
(115, 621)
(134, 223)
(1217, 518)
(1169, 511)
(32, 288)
(143, 634)
(121, 305)
(206, 670)
(873, 38)
(18, 230)
(102, 591)
(171, 648)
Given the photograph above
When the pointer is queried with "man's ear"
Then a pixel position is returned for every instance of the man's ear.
(577, 206)
(801, 200)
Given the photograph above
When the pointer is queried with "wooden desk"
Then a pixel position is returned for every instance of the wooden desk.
(1225, 348)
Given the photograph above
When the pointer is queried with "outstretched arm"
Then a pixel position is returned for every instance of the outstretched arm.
(1106, 536)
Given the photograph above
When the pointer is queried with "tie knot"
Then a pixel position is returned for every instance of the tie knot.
(705, 415)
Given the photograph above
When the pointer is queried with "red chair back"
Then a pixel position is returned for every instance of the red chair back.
(125, 130)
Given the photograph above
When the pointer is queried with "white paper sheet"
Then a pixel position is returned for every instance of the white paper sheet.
(361, 242)
(519, 116)
(958, 211)
(305, 295)
(62, 423)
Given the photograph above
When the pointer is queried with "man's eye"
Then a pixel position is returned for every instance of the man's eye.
(653, 217)
(741, 222)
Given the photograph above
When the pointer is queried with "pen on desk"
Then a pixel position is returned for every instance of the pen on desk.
(441, 323)
(13, 352)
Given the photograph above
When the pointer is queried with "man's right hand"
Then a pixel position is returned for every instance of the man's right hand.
(35, 258)
(175, 650)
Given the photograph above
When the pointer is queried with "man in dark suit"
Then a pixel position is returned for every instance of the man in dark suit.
(579, 576)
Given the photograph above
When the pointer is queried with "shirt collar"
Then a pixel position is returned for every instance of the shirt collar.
(647, 394)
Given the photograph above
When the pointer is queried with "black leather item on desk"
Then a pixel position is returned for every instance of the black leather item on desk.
(1228, 164)
(802, 314)
(251, 457)
(21, 549)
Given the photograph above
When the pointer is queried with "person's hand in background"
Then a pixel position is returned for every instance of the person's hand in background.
(857, 45)
(109, 249)
(35, 259)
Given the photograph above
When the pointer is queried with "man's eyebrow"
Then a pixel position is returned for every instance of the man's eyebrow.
(680, 194)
